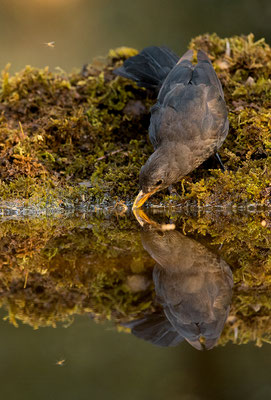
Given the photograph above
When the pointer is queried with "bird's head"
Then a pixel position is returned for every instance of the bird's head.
(157, 174)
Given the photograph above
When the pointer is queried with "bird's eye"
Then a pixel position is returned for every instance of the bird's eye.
(159, 182)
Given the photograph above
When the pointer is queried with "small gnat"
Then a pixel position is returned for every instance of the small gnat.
(60, 362)
(50, 44)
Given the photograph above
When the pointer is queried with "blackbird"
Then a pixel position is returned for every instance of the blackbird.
(189, 120)
(193, 285)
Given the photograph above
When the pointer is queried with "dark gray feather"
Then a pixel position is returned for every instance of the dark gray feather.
(150, 67)
(156, 329)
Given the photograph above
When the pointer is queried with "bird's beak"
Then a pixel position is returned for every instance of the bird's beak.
(142, 197)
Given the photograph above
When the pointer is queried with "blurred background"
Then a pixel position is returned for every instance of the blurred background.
(84, 29)
(98, 363)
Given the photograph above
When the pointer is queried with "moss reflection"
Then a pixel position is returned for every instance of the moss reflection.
(58, 267)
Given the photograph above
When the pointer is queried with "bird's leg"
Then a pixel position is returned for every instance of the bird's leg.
(220, 162)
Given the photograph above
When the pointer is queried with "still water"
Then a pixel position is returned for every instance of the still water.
(157, 305)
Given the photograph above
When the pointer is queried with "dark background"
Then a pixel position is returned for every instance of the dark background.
(83, 29)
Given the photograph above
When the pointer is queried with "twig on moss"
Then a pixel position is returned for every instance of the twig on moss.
(111, 153)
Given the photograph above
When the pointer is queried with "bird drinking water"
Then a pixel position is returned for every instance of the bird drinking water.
(189, 120)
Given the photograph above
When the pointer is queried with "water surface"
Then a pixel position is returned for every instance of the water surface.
(110, 306)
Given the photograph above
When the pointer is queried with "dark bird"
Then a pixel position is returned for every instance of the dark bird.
(193, 285)
(189, 120)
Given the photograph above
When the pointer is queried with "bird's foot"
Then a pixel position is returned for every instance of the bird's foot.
(217, 157)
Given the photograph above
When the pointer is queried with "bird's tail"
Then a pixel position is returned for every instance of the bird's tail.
(150, 67)
(156, 329)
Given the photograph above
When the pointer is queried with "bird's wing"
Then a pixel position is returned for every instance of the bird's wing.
(190, 103)
(204, 73)
(155, 123)
(189, 112)
(180, 73)
(188, 330)
(216, 117)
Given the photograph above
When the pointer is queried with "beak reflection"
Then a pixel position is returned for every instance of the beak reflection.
(142, 198)
(143, 219)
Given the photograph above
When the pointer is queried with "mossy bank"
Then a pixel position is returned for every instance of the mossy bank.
(78, 139)
(52, 269)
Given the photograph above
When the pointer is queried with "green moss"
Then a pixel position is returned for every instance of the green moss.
(58, 130)
(64, 137)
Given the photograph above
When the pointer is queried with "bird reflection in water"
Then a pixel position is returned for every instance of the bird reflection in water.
(193, 285)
